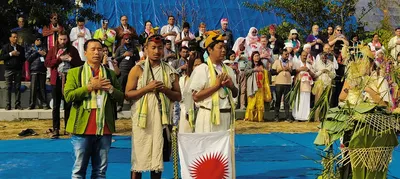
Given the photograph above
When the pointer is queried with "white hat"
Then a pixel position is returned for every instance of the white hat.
(306, 46)
(293, 31)
(288, 44)
(228, 62)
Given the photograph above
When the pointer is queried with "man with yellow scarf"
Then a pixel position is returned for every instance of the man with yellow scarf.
(214, 88)
(154, 86)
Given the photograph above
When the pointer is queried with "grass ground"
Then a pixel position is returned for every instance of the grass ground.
(10, 130)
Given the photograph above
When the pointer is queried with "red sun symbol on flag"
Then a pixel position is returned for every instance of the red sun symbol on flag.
(210, 166)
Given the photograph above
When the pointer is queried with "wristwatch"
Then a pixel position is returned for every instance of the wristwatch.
(111, 90)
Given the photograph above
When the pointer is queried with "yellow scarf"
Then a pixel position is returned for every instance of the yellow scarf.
(215, 113)
(165, 102)
(91, 102)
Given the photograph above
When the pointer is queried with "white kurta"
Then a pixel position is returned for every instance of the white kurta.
(184, 126)
(78, 42)
(203, 120)
(301, 109)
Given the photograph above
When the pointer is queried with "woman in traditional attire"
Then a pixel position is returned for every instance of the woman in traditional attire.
(252, 41)
(257, 89)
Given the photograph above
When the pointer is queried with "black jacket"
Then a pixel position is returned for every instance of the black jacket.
(279, 44)
(12, 62)
(125, 66)
(33, 57)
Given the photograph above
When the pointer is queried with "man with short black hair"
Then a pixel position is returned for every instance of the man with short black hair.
(126, 55)
(214, 87)
(36, 55)
(283, 69)
(79, 35)
(180, 65)
(94, 91)
(14, 58)
(154, 86)
(170, 31)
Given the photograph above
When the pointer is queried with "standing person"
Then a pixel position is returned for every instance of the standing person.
(126, 56)
(283, 69)
(185, 125)
(170, 31)
(52, 31)
(229, 40)
(79, 35)
(66, 56)
(261, 93)
(375, 44)
(315, 40)
(214, 87)
(94, 90)
(154, 85)
(201, 35)
(25, 36)
(252, 41)
(308, 49)
(180, 65)
(301, 109)
(148, 26)
(14, 58)
(294, 39)
(36, 55)
(125, 29)
(105, 35)
(266, 53)
(185, 36)
(337, 40)
(169, 54)
(275, 41)
(394, 44)
(108, 62)
(324, 73)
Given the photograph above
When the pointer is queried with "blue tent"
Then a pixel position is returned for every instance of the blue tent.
(208, 11)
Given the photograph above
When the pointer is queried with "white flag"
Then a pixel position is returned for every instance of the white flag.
(205, 155)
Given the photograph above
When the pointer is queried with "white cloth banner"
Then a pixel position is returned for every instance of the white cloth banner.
(205, 155)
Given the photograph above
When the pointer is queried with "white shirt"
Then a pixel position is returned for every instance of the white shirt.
(167, 29)
(203, 80)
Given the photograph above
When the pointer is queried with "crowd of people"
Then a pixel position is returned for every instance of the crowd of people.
(197, 81)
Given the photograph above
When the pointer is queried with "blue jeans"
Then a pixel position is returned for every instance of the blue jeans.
(90, 147)
(177, 113)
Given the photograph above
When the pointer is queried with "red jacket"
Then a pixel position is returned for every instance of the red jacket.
(52, 61)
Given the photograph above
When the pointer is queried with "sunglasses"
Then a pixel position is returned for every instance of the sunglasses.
(128, 39)
(339, 30)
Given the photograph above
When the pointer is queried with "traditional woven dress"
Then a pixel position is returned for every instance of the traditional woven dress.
(147, 133)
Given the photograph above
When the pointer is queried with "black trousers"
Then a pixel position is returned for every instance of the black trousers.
(123, 78)
(57, 95)
(282, 90)
(13, 81)
(38, 90)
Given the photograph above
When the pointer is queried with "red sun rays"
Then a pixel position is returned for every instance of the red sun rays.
(210, 166)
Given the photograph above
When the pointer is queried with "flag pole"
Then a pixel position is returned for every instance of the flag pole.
(232, 137)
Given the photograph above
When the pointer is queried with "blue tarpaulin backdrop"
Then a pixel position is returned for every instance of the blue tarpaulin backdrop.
(209, 11)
